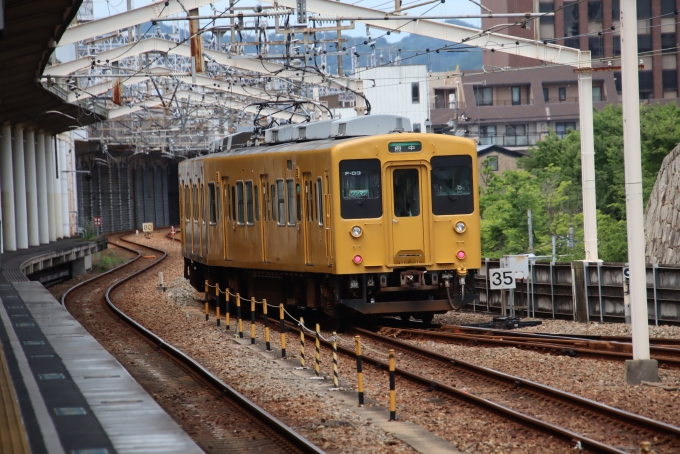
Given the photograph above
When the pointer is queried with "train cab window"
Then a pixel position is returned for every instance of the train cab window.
(257, 204)
(319, 200)
(290, 191)
(281, 202)
(239, 202)
(211, 201)
(406, 192)
(360, 189)
(249, 203)
(452, 191)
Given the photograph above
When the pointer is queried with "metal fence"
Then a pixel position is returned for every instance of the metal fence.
(583, 291)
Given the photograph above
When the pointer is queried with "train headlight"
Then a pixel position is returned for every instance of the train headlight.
(356, 231)
(460, 227)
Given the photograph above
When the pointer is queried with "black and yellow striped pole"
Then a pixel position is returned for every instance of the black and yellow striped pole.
(217, 302)
(238, 316)
(283, 331)
(393, 395)
(252, 320)
(360, 373)
(226, 309)
(335, 360)
(207, 306)
(302, 342)
(267, 342)
(317, 351)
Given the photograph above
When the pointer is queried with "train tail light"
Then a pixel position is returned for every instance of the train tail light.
(357, 259)
(460, 255)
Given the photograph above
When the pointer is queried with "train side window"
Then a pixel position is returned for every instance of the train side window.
(218, 203)
(211, 201)
(309, 205)
(202, 207)
(452, 190)
(281, 202)
(298, 202)
(360, 196)
(187, 203)
(249, 203)
(233, 203)
(257, 204)
(194, 203)
(319, 200)
(226, 202)
(290, 190)
(273, 202)
(239, 202)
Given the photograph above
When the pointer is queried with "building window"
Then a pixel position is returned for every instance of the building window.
(546, 98)
(562, 129)
(571, 20)
(415, 92)
(416, 127)
(667, 7)
(487, 135)
(597, 94)
(595, 11)
(596, 48)
(546, 23)
(562, 93)
(516, 96)
(668, 42)
(516, 135)
(492, 163)
(484, 96)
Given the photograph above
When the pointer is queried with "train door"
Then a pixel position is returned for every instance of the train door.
(204, 224)
(225, 217)
(407, 216)
(263, 195)
(308, 216)
(327, 216)
(194, 218)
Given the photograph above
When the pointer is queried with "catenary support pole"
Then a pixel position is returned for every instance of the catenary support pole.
(41, 173)
(641, 368)
(49, 160)
(31, 189)
(9, 233)
(58, 221)
(20, 188)
(63, 191)
(585, 105)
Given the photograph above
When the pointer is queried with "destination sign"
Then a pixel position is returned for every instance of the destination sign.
(404, 147)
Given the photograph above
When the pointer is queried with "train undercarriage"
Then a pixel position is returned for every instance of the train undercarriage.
(410, 291)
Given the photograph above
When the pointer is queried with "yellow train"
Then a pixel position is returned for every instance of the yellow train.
(344, 215)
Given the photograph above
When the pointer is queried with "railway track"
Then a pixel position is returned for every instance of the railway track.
(205, 407)
(593, 426)
(575, 346)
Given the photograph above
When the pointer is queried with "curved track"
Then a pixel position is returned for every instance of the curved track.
(207, 408)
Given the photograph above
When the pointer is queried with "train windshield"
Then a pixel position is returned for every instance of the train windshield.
(360, 189)
(452, 191)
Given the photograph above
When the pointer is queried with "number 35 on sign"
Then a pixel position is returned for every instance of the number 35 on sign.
(501, 279)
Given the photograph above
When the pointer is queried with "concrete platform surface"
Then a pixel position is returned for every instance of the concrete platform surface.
(73, 396)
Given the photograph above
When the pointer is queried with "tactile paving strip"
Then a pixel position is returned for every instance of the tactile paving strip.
(77, 427)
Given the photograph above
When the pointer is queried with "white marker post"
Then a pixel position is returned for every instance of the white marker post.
(641, 368)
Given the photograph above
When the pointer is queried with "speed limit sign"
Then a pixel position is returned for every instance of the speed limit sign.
(501, 279)
(147, 227)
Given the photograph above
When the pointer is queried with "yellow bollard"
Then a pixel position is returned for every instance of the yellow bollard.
(393, 394)
(207, 306)
(227, 321)
(217, 302)
(360, 374)
(335, 360)
(302, 343)
(252, 320)
(238, 315)
(266, 325)
(317, 351)
(283, 331)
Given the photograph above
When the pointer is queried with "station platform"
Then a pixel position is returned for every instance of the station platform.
(61, 392)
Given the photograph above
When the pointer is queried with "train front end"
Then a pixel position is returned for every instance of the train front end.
(406, 224)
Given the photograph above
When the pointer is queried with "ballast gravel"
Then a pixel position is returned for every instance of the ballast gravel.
(177, 315)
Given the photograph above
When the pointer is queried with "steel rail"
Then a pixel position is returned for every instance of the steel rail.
(276, 425)
(617, 351)
(632, 419)
(512, 415)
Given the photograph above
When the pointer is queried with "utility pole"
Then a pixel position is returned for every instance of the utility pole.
(531, 232)
(641, 367)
